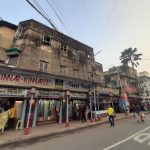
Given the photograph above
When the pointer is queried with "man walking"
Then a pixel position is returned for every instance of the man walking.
(111, 115)
(83, 111)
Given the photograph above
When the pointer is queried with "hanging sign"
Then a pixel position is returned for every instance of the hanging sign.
(50, 94)
(77, 86)
(78, 96)
(12, 92)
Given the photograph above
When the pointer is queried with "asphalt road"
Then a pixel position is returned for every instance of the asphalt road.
(126, 135)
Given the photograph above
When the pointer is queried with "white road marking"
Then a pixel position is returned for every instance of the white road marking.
(130, 137)
(142, 137)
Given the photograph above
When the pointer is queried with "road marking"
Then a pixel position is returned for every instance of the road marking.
(130, 137)
(142, 137)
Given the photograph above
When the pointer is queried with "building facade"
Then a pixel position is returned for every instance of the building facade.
(126, 80)
(145, 80)
(7, 33)
(62, 71)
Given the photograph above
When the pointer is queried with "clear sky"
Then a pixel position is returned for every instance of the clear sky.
(107, 25)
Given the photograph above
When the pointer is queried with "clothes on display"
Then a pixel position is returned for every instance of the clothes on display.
(48, 110)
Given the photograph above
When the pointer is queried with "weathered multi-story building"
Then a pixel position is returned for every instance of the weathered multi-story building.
(40, 48)
(145, 80)
(126, 79)
(7, 33)
(57, 66)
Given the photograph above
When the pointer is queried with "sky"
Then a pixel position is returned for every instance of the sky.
(109, 26)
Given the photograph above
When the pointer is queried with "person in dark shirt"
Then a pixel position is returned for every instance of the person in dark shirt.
(83, 111)
(137, 112)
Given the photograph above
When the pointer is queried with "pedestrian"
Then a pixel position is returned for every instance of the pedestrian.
(127, 110)
(111, 115)
(139, 116)
(83, 111)
(12, 115)
(4, 118)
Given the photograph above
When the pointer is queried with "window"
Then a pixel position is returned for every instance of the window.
(12, 60)
(63, 47)
(75, 72)
(46, 40)
(63, 70)
(43, 66)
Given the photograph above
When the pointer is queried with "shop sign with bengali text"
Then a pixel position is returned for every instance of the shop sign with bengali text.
(22, 80)
(109, 90)
(78, 96)
(12, 92)
(77, 86)
(50, 94)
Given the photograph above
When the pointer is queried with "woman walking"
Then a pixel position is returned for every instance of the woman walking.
(4, 119)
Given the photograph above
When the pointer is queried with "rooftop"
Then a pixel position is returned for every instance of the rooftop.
(58, 35)
(7, 24)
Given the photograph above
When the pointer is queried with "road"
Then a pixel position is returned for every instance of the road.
(126, 135)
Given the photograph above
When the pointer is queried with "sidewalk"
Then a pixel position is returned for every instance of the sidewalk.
(48, 130)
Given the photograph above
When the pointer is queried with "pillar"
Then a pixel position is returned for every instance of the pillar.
(90, 98)
(23, 113)
(29, 113)
(60, 111)
(95, 102)
(35, 113)
(67, 109)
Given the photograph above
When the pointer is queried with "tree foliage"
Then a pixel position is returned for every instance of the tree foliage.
(130, 56)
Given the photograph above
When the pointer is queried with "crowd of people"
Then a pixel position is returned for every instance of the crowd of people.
(7, 117)
(81, 113)
(8, 113)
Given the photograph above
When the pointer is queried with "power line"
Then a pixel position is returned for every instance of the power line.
(107, 22)
(109, 18)
(57, 16)
(45, 17)
(90, 18)
(66, 19)
(40, 8)
(49, 20)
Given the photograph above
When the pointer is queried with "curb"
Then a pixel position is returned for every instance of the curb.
(20, 141)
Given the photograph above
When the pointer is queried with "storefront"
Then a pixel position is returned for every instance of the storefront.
(108, 96)
(49, 105)
(13, 96)
(76, 101)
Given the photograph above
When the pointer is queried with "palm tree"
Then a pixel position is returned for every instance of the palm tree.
(130, 56)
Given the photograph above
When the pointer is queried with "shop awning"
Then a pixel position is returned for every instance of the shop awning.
(12, 51)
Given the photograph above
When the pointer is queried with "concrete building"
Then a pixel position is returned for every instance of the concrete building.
(62, 71)
(7, 33)
(126, 79)
(145, 80)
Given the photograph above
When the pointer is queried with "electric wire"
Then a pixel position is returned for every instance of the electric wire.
(109, 18)
(100, 35)
(44, 13)
(40, 8)
(49, 20)
(58, 16)
(60, 10)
